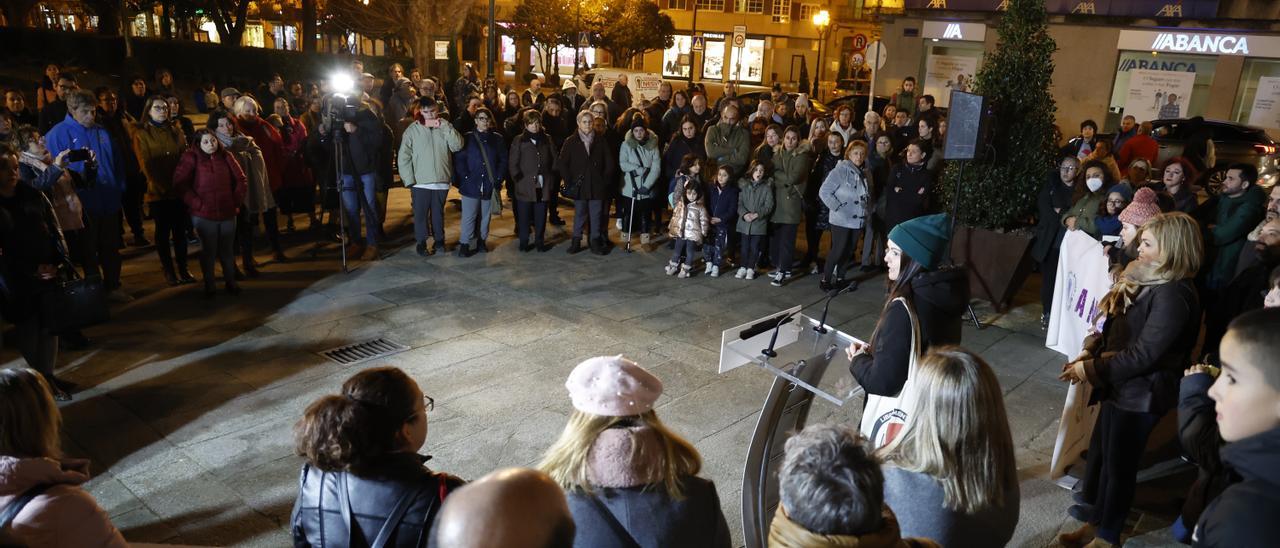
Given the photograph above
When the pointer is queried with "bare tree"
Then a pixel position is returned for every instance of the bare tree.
(417, 22)
(549, 24)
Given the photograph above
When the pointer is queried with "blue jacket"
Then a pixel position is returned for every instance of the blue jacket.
(722, 203)
(468, 164)
(103, 198)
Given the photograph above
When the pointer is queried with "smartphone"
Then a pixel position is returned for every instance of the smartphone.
(78, 155)
(434, 122)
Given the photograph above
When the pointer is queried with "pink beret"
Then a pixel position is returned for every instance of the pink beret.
(1141, 209)
(612, 386)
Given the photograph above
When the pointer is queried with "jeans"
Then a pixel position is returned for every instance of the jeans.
(38, 347)
(101, 239)
(715, 244)
(588, 213)
(1111, 477)
(428, 215)
(840, 257)
(472, 208)
(684, 250)
(171, 226)
(358, 195)
(783, 248)
(750, 250)
(530, 215)
(217, 241)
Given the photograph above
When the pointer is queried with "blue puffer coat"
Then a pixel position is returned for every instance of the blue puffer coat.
(471, 177)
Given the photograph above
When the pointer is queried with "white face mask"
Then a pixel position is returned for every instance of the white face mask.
(1094, 183)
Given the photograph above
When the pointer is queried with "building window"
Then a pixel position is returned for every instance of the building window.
(749, 6)
(678, 4)
(714, 5)
(782, 11)
(675, 59)
(807, 11)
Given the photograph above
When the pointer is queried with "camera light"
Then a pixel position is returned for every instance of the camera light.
(341, 82)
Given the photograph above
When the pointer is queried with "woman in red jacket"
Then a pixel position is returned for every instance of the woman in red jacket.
(213, 186)
(250, 122)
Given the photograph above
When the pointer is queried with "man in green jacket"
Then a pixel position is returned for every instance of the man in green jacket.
(727, 142)
(426, 167)
(1240, 206)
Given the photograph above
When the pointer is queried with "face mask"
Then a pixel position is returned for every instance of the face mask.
(1094, 183)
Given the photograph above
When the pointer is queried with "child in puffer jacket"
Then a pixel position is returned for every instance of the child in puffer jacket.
(687, 228)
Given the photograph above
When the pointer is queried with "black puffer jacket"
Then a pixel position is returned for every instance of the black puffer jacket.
(318, 514)
(938, 298)
(1245, 513)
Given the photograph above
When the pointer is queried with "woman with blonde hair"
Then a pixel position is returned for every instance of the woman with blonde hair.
(1152, 322)
(630, 481)
(950, 475)
(36, 482)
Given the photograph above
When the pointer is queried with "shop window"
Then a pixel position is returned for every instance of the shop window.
(1201, 65)
(749, 62)
(713, 60)
(749, 6)
(1259, 75)
(676, 59)
(782, 11)
(713, 5)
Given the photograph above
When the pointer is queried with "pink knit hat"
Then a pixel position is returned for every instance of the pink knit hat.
(612, 386)
(1141, 209)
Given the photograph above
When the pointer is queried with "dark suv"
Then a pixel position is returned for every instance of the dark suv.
(1232, 143)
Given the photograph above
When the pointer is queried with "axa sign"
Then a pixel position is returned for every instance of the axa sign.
(953, 32)
(1201, 43)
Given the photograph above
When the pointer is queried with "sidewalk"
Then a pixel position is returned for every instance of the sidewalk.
(188, 404)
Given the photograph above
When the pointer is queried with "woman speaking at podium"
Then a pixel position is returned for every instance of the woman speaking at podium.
(924, 301)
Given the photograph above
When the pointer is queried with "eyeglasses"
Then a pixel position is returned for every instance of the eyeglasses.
(1115, 202)
(428, 403)
(482, 118)
(1068, 168)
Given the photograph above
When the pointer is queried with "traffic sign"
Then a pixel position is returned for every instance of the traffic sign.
(739, 36)
(584, 39)
(699, 43)
(877, 53)
(859, 41)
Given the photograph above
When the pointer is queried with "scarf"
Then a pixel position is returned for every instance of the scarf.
(34, 162)
(1137, 275)
(784, 533)
(626, 457)
(587, 138)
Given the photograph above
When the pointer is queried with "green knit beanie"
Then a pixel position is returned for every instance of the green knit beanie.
(924, 239)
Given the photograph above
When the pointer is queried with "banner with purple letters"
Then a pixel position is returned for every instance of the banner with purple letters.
(1119, 8)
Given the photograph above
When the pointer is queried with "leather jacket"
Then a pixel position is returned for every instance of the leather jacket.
(320, 519)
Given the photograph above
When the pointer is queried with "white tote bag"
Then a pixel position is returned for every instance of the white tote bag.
(885, 416)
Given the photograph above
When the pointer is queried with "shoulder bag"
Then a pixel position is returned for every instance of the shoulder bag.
(495, 197)
(884, 416)
(75, 301)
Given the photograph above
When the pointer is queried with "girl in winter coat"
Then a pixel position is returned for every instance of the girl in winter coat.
(158, 142)
(688, 227)
(722, 211)
(364, 443)
(689, 172)
(258, 198)
(630, 480)
(213, 185)
(59, 514)
(1108, 220)
(1152, 322)
(792, 161)
(478, 168)
(640, 164)
(755, 205)
(816, 214)
(845, 195)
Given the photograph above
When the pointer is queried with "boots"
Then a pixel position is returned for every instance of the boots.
(575, 247)
(184, 275)
(169, 275)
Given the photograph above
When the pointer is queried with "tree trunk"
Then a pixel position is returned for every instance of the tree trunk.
(16, 12)
(308, 25)
(165, 19)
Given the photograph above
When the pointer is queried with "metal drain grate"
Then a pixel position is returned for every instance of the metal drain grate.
(363, 351)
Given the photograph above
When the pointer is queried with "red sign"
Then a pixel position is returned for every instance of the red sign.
(859, 42)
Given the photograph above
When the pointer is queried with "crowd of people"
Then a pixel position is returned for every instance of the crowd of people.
(700, 177)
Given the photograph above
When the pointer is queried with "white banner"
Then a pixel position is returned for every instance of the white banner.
(1159, 94)
(943, 73)
(643, 85)
(1081, 281)
(1266, 104)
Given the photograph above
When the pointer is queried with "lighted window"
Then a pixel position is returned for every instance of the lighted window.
(715, 5)
(807, 11)
(782, 11)
(749, 6)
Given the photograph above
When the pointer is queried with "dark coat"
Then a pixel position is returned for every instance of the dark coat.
(212, 186)
(939, 298)
(1152, 342)
(722, 203)
(650, 517)
(27, 240)
(1201, 442)
(904, 201)
(531, 156)
(1245, 513)
(1053, 200)
(470, 174)
(1235, 217)
(51, 115)
(676, 149)
(362, 151)
(590, 172)
(317, 520)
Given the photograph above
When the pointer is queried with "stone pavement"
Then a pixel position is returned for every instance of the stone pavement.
(188, 405)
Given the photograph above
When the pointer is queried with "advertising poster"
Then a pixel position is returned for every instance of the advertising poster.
(1266, 104)
(643, 85)
(1159, 94)
(943, 73)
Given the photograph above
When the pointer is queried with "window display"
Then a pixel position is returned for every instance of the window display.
(676, 59)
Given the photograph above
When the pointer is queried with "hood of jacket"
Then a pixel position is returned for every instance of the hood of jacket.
(785, 533)
(19, 474)
(625, 457)
(947, 290)
(1256, 458)
(650, 142)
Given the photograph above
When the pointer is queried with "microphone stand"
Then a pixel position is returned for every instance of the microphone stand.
(774, 338)
(822, 323)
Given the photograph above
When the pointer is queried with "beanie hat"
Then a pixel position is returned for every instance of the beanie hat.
(637, 120)
(1125, 191)
(1141, 209)
(612, 386)
(924, 239)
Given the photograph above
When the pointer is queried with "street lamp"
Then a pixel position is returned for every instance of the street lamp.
(821, 20)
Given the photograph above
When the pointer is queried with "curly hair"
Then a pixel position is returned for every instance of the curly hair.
(353, 430)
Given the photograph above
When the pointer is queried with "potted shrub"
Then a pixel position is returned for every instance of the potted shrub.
(998, 192)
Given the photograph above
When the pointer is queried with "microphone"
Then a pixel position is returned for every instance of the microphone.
(831, 295)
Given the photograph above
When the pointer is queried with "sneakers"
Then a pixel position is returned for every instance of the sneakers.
(644, 239)
(751, 274)
(670, 269)
(780, 278)
(713, 271)
(684, 271)
(741, 273)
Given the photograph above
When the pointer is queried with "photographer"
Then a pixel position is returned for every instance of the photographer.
(362, 138)
(426, 167)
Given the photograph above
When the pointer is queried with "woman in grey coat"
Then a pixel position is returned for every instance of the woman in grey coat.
(845, 193)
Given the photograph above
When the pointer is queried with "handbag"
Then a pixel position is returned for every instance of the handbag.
(495, 197)
(75, 302)
(885, 416)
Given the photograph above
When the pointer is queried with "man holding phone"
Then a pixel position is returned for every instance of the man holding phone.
(91, 150)
(426, 167)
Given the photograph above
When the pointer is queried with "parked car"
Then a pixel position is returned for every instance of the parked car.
(752, 99)
(1232, 142)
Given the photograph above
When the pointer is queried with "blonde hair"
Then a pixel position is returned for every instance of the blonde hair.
(241, 104)
(1181, 249)
(958, 433)
(567, 460)
(29, 418)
